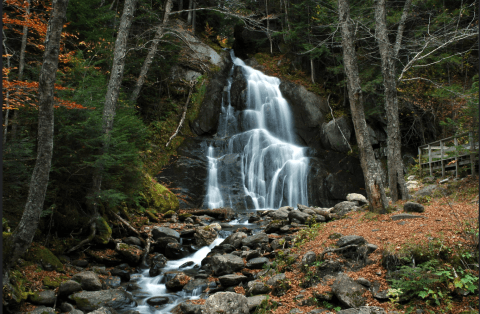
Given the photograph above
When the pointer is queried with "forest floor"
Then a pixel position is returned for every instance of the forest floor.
(448, 234)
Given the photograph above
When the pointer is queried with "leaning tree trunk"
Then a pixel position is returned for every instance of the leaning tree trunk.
(151, 52)
(373, 180)
(396, 180)
(189, 16)
(21, 65)
(23, 234)
(111, 98)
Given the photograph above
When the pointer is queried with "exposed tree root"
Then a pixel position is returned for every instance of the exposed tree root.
(93, 231)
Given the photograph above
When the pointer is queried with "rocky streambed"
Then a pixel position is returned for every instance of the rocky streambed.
(206, 263)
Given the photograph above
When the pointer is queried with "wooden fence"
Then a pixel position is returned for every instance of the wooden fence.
(450, 154)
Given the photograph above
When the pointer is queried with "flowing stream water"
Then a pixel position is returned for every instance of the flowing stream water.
(273, 170)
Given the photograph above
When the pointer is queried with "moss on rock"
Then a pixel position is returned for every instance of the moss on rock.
(158, 197)
(40, 254)
(54, 282)
(104, 232)
(151, 216)
(14, 291)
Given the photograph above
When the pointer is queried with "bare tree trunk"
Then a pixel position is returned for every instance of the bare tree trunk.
(373, 180)
(113, 91)
(22, 236)
(151, 53)
(190, 7)
(7, 113)
(268, 27)
(21, 65)
(194, 17)
(183, 115)
(396, 181)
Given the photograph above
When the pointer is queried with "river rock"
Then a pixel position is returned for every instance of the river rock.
(255, 240)
(157, 301)
(364, 310)
(178, 282)
(344, 207)
(123, 274)
(157, 263)
(226, 302)
(257, 263)
(336, 134)
(231, 280)
(159, 232)
(348, 292)
(281, 213)
(196, 284)
(133, 240)
(91, 300)
(89, 280)
(412, 207)
(162, 242)
(235, 239)
(274, 226)
(257, 287)
(68, 287)
(205, 235)
(103, 310)
(226, 264)
(189, 308)
(131, 253)
(176, 251)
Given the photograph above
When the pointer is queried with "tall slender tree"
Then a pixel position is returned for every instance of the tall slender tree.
(22, 236)
(388, 53)
(373, 180)
(113, 91)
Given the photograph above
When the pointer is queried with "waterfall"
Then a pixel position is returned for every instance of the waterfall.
(273, 168)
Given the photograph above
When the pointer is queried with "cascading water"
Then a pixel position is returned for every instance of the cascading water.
(273, 168)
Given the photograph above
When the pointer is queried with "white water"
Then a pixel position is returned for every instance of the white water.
(155, 286)
(274, 170)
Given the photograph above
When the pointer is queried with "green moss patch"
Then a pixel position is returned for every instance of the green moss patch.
(157, 197)
(40, 254)
(53, 282)
(104, 232)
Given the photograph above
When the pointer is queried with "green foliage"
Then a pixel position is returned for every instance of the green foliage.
(266, 307)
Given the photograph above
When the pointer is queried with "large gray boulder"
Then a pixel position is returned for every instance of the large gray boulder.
(88, 280)
(46, 297)
(205, 235)
(363, 310)
(88, 301)
(257, 263)
(281, 213)
(231, 280)
(256, 239)
(333, 139)
(226, 264)
(197, 283)
(68, 287)
(308, 112)
(348, 292)
(254, 301)
(159, 232)
(235, 239)
(344, 207)
(351, 239)
(298, 216)
(257, 287)
(226, 302)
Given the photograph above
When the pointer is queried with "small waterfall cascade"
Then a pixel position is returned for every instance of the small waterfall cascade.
(273, 168)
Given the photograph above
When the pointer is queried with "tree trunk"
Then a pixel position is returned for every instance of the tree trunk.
(151, 53)
(23, 234)
(7, 96)
(190, 7)
(268, 27)
(113, 91)
(21, 65)
(194, 17)
(396, 181)
(373, 180)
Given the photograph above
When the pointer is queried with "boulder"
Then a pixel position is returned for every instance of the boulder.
(406, 216)
(298, 216)
(91, 300)
(412, 207)
(344, 207)
(350, 239)
(355, 197)
(333, 138)
(257, 263)
(46, 297)
(364, 310)
(88, 280)
(131, 253)
(273, 227)
(157, 263)
(255, 240)
(178, 282)
(176, 251)
(68, 287)
(103, 310)
(226, 302)
(159, 232)
(205, 235)
(255, 301)
(231, 280)
(196, 284)
(348, 292)
(158, 301)
(309, 258)
(226, 264)
(123, 274)
(238, 89)
(257, 287)
(43, 310)
(189, 308)
(162, 242)
(281, 213)
(235, 239)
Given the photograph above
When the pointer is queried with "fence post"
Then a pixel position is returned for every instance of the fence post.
(472, 152)
(442, 162)
(430, 159)
(420, 161)
(455, 142)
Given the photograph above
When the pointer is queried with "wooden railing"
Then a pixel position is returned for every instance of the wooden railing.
(450, 153)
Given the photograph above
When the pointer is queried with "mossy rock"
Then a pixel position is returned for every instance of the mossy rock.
(53, 282)
(158, 197)
(40, 254)
(151, 216)
(14, 291)
(104, 232)
(184, 216)
(169, 214)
